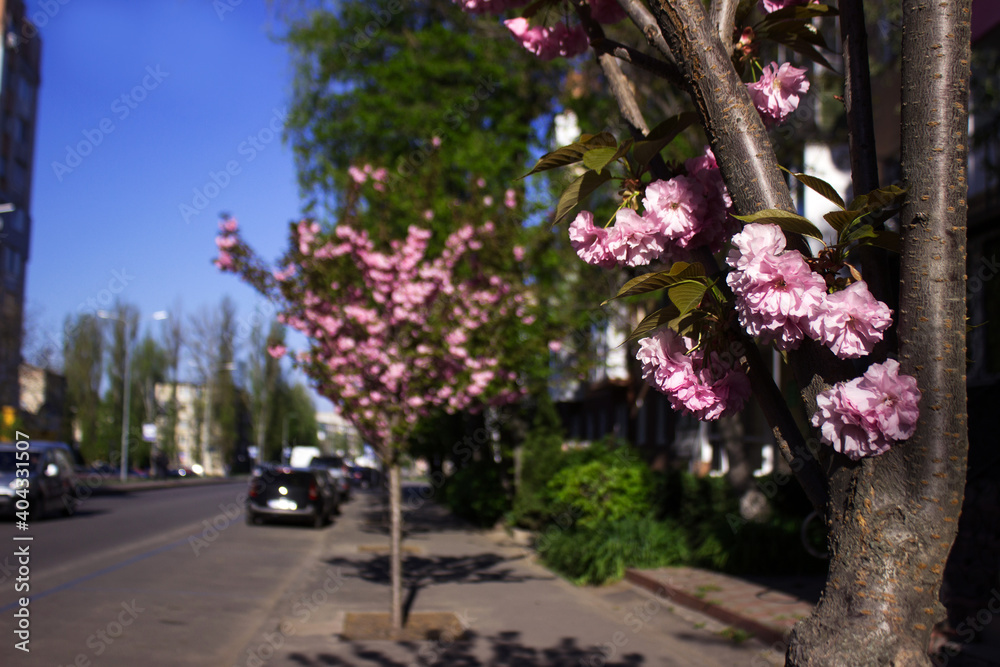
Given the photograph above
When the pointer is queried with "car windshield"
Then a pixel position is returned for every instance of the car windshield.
(326, 462)
(8, 460)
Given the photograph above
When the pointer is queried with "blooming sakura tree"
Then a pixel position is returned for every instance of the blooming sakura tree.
(393, 332)
(889, 408)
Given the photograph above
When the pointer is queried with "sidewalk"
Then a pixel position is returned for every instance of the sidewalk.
(479, 599)
(498, 607)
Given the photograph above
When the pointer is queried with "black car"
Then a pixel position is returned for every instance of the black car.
(365, 478)
(338, 469)
(50, 475)
(289, 494)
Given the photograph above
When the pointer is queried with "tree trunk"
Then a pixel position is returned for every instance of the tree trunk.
(893, 518)
(395, 546)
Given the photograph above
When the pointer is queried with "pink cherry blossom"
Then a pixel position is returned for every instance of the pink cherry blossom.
(774, 5)
(851, 321)
(590, 242)
(357, 175)
(490, 6)
(634, 240)
(510, 198)
(277, 351)
(866, 416)
(777, 295)
(548, 43)
(708, 390)
(519, 253)
(676, 207)
(776, 94)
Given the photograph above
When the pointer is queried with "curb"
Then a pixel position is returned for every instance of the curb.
(109, 488)
(762, 632)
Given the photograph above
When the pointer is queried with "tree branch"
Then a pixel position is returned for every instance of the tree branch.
(861, 138)
(723, 16)
(639, 59)
(623, 94)
(644, 20)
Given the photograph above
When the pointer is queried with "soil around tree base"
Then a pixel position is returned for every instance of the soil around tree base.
(420, 626)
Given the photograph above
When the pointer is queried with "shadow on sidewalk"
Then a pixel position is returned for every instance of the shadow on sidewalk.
(505, 650)
(420, 572)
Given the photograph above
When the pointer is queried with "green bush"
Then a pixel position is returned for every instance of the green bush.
(610, 486)
(542, 458)
(602, 552)
(477, 494)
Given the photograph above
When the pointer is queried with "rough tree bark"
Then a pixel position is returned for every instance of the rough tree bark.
(893, 518)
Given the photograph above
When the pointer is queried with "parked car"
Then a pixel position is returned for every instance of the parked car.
(365, 478)
(51, 477)
(288, 494)
(339, 469)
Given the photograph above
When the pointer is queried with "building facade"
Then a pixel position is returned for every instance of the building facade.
(20, 77)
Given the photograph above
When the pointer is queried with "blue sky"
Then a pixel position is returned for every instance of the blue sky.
(160, 96)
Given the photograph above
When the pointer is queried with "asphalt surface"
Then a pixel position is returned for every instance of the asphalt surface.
(159, 577)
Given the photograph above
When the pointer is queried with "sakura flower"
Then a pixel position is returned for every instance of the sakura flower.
(519, 253)
(777, 295)
(510, 198)
(277, 351)
(706, 390)
(634, 240)
(865, 416)
(774, 5)
(677, 207)
(357, 175)
(590, 242)
(776, 94)
(548, 43)
(490, 6)
(851, 321)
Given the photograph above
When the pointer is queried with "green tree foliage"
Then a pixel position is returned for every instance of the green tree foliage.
(383, 96)
(83, 351)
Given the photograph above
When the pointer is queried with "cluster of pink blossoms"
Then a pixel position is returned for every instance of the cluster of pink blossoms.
(548, 42)
(378, 176)
(490, 6)
(865, 416)
(774, 5)
(685, 212)
(225, 242)
(707, 388)
(778, 91)
(781, 300)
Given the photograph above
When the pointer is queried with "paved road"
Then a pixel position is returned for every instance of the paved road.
(164, 577)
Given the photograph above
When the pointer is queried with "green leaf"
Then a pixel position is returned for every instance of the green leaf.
(819, 186)
(559, 158)
(841, 220)
(579, 189)
(788, 221)
(653, 321)
(661, 135)
(573, 153)
(860, 232)
(687, 295)
(598, 158)
(890, 195)
(650, 282)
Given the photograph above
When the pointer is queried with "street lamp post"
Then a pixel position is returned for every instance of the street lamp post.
(127, 382)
